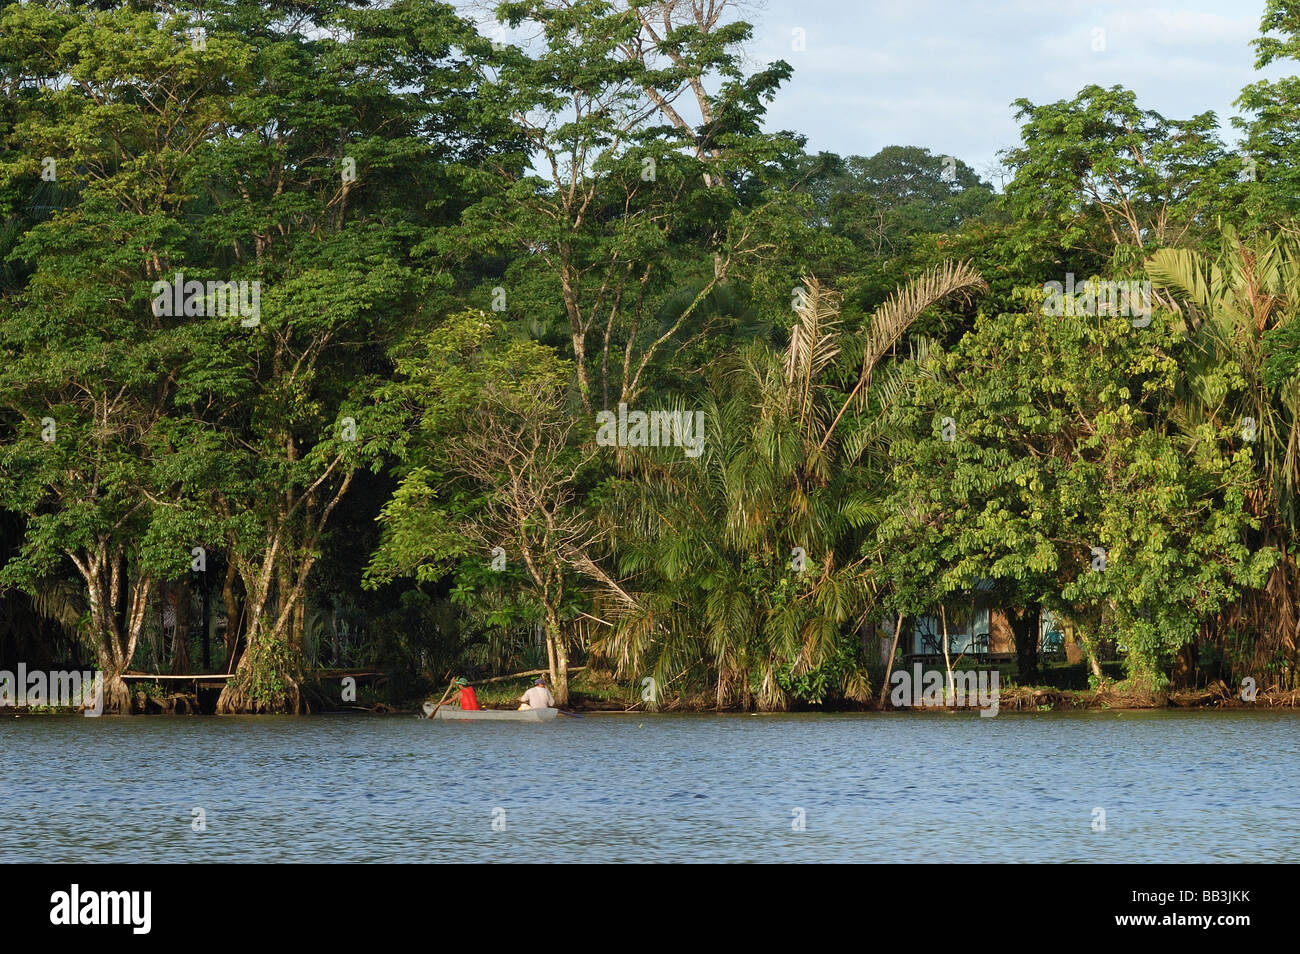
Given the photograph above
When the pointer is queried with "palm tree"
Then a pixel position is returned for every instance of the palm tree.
(1233, 306)
(749, 561)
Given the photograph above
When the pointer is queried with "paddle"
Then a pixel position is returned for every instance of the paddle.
(443, 699)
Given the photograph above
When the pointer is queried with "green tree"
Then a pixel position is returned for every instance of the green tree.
(635, 201)
(902, 191)
(1239, 313)
(490, 476)
(1098, 175)
(1271, 146)
(1035, 459)
(89, 370)
(337, 157)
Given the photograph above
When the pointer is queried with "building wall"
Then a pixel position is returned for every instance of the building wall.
(1001, 637)
(1003, 640)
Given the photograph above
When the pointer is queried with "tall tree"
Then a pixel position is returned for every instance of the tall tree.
(1241, 318)
(748, 558)
(337, 156)
(1100, 175)
(491, 471)
(89, 369)
(1034, 458)
(1270, 157)
(635, 201)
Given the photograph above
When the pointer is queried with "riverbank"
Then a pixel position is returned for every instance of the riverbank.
(594, 690)
(1216, 696)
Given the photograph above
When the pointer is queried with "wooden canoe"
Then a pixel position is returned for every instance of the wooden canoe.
(492, 715)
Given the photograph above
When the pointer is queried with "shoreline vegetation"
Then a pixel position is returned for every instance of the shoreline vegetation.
(368, 338)
(600, 693)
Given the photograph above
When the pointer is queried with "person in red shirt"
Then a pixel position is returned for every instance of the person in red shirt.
(468, 698)
(465, 698)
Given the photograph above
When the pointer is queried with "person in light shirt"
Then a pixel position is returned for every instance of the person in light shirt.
(538, 697)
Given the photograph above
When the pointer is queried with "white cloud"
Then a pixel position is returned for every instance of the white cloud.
(943, 74)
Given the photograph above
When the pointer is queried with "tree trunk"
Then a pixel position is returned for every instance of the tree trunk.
(559, 656)
(118, 608)
(298, 638)
(889, 667)
(284, 586)
(1024, 627)
(1184, 670)
(266, 679)
(234, 613)
(771, 697)
(746, 696)
(180, 659)
(165, 653)
(550, 655)
(1081, 632)
(117, 697)
(950, 690)
(263, 681)
(562, 680)
(207, 621)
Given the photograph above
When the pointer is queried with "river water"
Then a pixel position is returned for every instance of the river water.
(900, 787)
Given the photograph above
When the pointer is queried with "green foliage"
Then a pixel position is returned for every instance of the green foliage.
(1269, 194)
(843, 668)
(417, 641)
(266, 671)
(1100, 175)
(609, 191)
(755, 543)
(1060, 484)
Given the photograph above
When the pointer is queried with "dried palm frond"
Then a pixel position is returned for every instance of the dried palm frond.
(898, 312)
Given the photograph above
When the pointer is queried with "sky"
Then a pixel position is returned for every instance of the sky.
(942, 73)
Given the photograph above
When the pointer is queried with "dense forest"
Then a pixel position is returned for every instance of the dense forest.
(347, 334)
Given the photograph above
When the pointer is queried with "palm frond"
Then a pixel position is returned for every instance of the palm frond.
(897, 314)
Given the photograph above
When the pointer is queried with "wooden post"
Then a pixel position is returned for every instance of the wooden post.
(889, 668)
(207, 620)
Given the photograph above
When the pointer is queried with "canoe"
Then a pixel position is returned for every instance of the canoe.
(492, 715)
